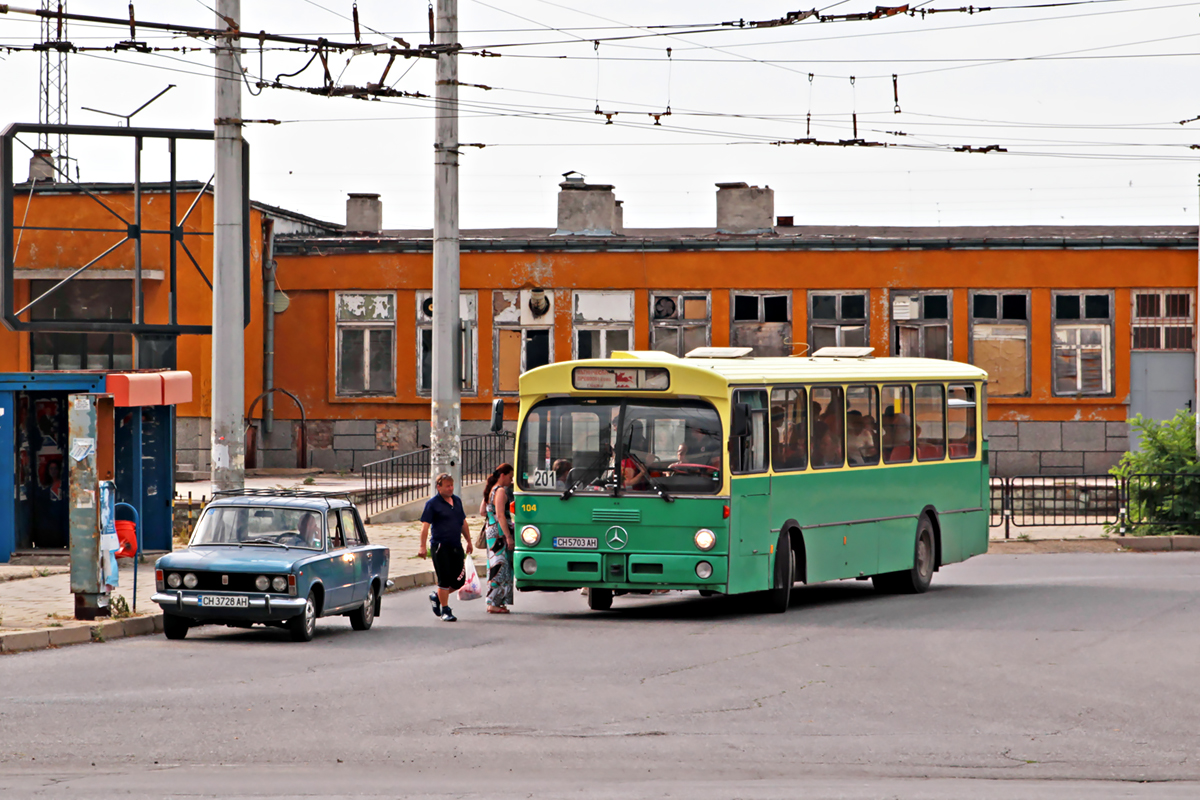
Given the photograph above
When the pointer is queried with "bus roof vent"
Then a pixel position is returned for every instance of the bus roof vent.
(844, 352)
(719, 352)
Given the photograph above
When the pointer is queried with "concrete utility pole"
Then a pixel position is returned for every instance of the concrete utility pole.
(445, 436)
(228, 354)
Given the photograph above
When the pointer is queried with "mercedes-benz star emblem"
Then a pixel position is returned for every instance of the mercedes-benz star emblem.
(616, 537)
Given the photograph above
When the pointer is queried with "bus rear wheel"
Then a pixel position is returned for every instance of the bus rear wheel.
(777, 598)
(600, 599)
(917, 579)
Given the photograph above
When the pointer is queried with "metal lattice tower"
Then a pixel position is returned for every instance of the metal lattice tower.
(52, 83)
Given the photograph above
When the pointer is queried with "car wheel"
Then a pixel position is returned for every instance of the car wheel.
(361, 619)
(175, 627)
(302, 626)
(600, 599)
(917, 579)
(776, 599)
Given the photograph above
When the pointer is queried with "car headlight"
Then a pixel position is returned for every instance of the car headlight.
(189, 581)
(174, 580)
(705, 539)
(279, 583)
(262, 583)
(530, 535)
(704, 570)
(529, 566)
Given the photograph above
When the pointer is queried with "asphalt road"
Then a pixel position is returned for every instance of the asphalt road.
(1035, 676)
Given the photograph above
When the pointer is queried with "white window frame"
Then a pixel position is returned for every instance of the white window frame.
(1104, 325)
(582, 323)
(1162, 323)
(1000, 322)
(839, 323)
(920, 321)
(678, 296)
(734, 323)
(365, 325)
(468, 305)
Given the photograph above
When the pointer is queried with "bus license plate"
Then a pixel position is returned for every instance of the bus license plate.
(575, 543)
(224, 601)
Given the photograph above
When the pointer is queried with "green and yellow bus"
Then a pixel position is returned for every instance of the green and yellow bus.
(729, 474)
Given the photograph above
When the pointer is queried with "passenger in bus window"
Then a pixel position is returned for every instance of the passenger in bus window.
(562, 468)
(827, 450)
(793, 449)
(855, 443)
(897, 436)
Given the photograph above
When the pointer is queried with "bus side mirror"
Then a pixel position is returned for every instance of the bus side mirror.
(740, 425)
(497, 415)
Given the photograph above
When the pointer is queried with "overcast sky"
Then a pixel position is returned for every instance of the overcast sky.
(1087, 99)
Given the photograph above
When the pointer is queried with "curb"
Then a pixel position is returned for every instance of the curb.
(1159, 543)
(42, 638)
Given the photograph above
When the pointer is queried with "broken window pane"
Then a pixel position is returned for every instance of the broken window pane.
(426, 366)
(854, 306)
(351, 376)
(986, 306)
(587, 344)
(1015, 307)
(823, 336)
(775, 308)
(1096, 306)
(1066, 306)
(666, 340)
(693, 337)
(537, 349)
(745, 307)
(1081, 360)
(936, 306)
(615, 340)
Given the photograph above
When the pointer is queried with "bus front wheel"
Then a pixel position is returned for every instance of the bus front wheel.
(600, 599)
(783, 575)
(917, 579)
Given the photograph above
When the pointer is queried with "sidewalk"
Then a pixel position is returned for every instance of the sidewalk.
(41, 610)
(1025, 533)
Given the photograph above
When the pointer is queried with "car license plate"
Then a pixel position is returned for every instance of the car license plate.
(224, 601)
(575, 543)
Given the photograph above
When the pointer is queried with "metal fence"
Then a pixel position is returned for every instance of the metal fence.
(404, 478)
(1142, 500)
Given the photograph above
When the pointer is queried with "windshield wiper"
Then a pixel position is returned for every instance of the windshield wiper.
(263, 541)
(658, 488)
(570, 492)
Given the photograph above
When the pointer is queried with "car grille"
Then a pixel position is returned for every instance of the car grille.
(238, 581)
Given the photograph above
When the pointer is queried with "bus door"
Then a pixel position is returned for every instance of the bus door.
(750, 486)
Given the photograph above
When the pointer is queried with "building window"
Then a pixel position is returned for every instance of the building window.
(1163, 320)
(467, 342)
(1082, 343)
(837, 319)
(603, 323)
(1000, 340)
(921, 324)
(366, 343)
(94, 300)
(762, 321)
(524, 324)
(679, 321)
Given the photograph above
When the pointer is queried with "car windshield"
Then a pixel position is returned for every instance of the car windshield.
(671, 446)
(238, 525)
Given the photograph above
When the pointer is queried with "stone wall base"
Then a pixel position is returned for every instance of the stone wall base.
(1056, 448)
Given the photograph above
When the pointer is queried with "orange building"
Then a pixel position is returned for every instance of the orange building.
(1079, 327)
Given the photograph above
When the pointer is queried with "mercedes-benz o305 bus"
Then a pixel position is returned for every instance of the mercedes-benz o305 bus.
(729, 474)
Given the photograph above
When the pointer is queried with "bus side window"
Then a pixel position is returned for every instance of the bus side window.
(961, 412)
(828, 427)
(862, 426)
(895, 425)
(789, 425)
(749, 453)
(931, 422)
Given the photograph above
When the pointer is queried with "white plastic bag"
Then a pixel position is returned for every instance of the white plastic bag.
(472, 589)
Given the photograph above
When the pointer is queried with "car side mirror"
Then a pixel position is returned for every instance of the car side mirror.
(497, 415)
(740, 425)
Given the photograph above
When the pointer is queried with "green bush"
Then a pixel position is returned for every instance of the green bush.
(1169, 502)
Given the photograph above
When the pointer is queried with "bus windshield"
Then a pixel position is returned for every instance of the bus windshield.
(664, 446)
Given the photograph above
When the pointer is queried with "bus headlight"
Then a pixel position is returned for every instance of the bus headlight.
(529, 566)
(705, 540)
(530, 535)
(704, 570)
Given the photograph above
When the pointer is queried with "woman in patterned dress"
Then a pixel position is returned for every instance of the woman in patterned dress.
(499, 533)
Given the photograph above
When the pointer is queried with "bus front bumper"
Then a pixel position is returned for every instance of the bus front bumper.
(548, 569)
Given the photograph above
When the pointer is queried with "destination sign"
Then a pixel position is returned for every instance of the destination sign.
(606, 379)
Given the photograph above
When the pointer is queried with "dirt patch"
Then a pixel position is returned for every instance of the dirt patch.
(1019, 547)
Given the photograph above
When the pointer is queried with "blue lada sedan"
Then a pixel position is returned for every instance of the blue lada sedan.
(268, 557)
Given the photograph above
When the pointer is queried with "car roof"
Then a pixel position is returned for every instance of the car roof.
(308, 503)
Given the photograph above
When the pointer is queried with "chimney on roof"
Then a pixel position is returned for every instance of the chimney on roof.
(364, 213)
(41, 167)
(586, 209)
(745, 209)
(619, 218)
